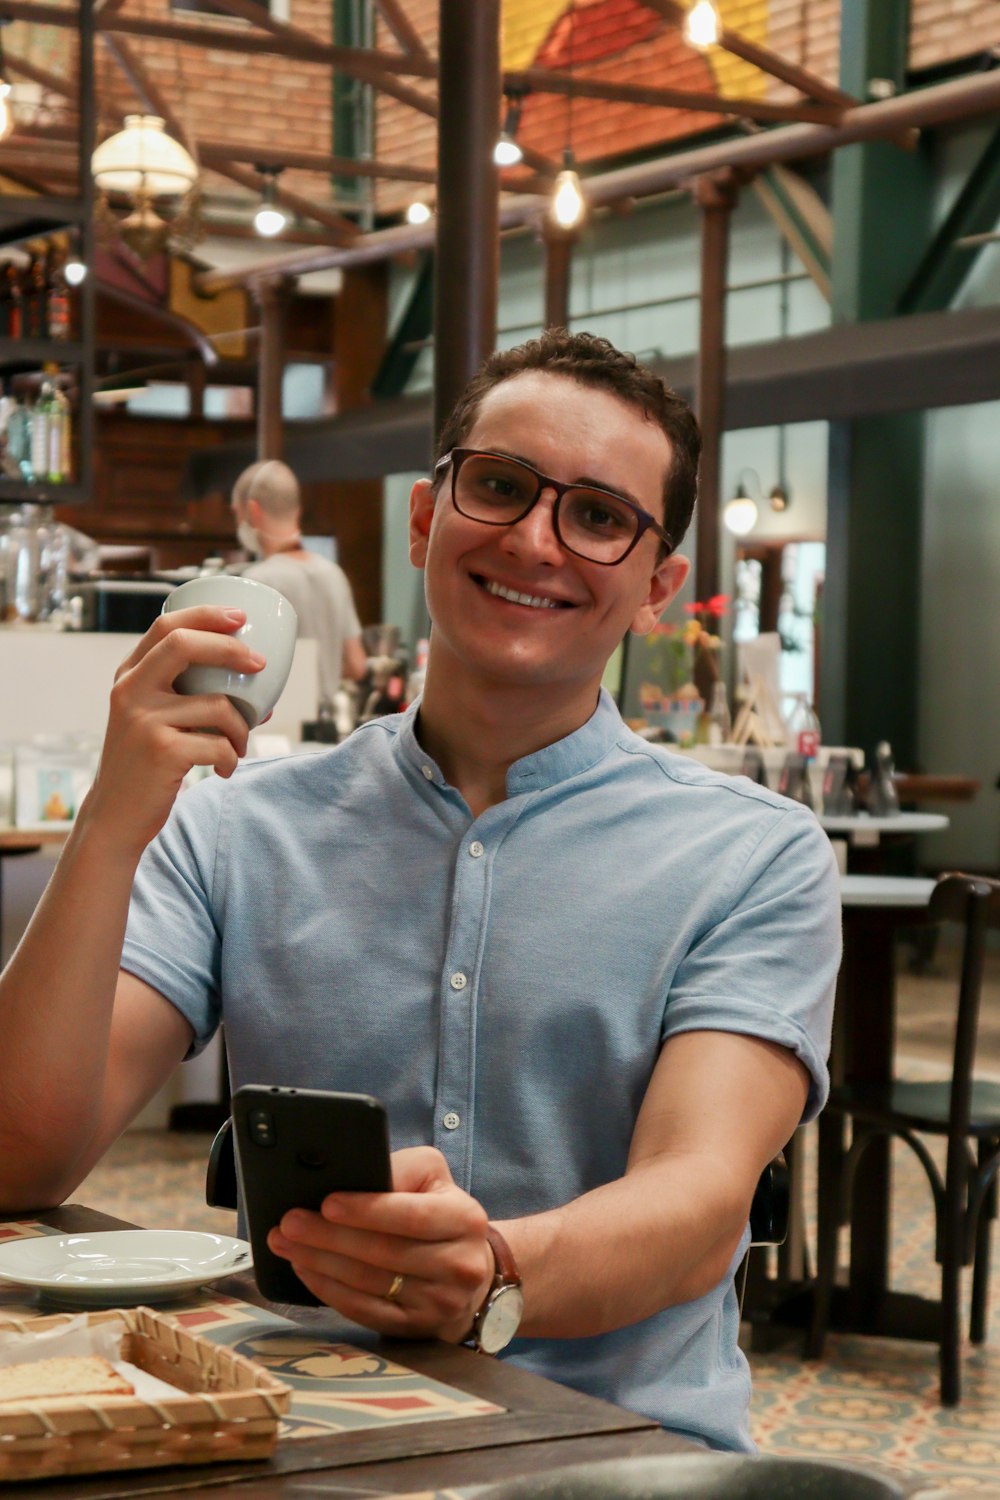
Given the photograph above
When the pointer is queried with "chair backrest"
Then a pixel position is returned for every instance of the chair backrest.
(973, 902)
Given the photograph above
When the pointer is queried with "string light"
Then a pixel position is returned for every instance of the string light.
(418, 212)
(74, 271)
(568, 203)
(703, 26)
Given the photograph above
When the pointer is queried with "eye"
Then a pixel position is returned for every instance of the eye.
(599, 514)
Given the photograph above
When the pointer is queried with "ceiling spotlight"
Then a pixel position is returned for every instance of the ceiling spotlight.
(506, 152)
(74, 271)
(568, 203)
(269, 219)
(418, 212)
(702, 27)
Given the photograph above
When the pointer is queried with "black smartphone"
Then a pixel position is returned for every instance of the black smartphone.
(293, 1147)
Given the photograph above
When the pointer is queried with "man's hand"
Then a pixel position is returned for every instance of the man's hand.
(155, 735)
(427, 1231)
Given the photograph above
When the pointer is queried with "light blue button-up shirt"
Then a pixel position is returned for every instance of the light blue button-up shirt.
(504, 983)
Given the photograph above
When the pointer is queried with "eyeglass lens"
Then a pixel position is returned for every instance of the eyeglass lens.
(591, 523)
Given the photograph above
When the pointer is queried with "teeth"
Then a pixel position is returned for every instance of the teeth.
(534, 600)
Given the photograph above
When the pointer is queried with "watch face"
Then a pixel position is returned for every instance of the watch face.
(500, 1319)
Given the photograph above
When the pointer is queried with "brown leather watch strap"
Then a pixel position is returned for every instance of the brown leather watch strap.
(507, 1273)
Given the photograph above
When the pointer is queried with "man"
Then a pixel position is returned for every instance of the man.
(591, 980)
(267, 506)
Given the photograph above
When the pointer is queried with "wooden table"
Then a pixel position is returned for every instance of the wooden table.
(543, 1426)
(864, 1033)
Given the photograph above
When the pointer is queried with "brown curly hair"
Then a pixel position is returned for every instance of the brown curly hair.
(594, 361)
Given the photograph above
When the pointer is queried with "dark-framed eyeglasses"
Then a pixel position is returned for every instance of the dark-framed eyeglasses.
(595, 524)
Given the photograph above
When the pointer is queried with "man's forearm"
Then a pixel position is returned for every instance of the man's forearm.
(663, 1234)
(56, 1001)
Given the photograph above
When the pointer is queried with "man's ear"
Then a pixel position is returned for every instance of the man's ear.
(254, 513)
(665, 584)
(422, 499)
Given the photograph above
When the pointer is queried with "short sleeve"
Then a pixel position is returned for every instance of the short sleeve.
(172, 940)
(767, 967)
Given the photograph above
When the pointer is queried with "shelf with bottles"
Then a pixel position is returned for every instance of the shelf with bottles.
(38, 303)
(39, 438)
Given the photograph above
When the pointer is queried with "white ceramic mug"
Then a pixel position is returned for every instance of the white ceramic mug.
(270, 630)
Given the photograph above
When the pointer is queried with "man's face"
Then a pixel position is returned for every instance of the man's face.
(577, 434)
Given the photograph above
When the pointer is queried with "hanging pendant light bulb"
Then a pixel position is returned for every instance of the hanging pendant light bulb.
(418, 212)
(506, 152)
(568, 204)
(703, 26)
(269, 219)
(740, 513)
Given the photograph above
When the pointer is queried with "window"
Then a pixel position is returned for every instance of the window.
(276, 9)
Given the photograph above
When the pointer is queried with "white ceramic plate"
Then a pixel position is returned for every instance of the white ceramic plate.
(121, 1267)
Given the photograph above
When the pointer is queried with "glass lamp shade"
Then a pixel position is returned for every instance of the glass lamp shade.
(144, 159)
(740, 515)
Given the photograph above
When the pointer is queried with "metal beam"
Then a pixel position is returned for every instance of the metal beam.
(576, 85)
(211, 152)
(467, 262)
(947, 262)
(402, 28)
(715, 197)
(881, 207)
(803, 219)
(403, 349)
(962, 98)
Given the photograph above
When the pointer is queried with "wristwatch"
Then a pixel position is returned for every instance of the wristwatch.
(497, 1321)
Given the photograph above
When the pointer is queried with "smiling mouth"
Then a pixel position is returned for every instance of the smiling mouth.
(513, 596)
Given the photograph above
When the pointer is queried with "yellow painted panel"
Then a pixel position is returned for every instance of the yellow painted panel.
(224, 315)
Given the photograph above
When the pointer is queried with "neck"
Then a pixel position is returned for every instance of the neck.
(271, 543)
(477, 729)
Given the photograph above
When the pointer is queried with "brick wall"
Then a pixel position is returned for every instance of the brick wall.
(234, 97)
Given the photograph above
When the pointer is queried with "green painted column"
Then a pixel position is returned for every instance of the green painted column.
(881, 202)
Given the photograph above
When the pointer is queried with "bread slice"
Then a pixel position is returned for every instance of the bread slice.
(73, 1375)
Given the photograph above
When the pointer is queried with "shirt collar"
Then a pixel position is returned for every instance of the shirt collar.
(544, 768)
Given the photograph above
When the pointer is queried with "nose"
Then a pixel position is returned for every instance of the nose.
(534, 535)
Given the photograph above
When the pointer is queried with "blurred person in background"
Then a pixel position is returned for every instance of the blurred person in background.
(267, 507)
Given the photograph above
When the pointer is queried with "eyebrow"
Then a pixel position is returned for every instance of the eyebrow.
(584, 480)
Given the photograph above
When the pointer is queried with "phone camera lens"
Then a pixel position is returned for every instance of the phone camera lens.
(262, 1127)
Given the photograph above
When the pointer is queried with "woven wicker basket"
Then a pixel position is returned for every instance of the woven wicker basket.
(227, 1407)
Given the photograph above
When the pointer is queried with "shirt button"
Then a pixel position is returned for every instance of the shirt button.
(476, 849)
(451, 1120)
(458, 981)
(428, 772)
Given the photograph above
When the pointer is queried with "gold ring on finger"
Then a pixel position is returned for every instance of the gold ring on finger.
(395, 1287)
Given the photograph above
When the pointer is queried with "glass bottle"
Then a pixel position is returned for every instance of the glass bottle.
(40, 432)
(11, 302)
(57, 311)
(40, 562)
(35, 298)
(883, 798)
(720, 724)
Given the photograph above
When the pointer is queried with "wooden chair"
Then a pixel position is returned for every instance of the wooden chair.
(966, 1112)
